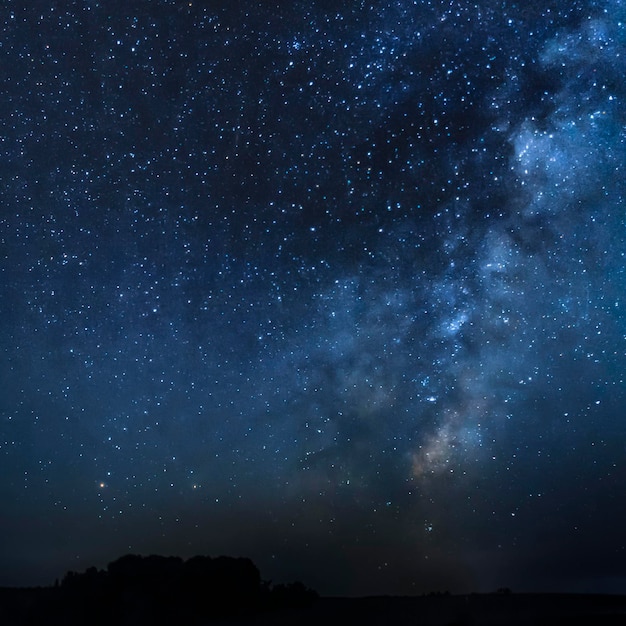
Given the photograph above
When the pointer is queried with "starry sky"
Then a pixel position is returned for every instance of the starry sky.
(336, 286)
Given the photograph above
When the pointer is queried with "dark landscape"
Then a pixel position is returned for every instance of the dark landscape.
(159, 590)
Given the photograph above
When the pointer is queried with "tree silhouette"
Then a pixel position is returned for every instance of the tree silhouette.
(162, 590)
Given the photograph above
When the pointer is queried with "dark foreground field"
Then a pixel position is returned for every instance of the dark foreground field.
(28, 607)
(522, 609)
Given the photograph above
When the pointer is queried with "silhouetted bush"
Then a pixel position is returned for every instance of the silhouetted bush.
(163, 590)
(219, 586)
(293, 595)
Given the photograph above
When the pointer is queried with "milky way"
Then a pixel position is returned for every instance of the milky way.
(336, 288)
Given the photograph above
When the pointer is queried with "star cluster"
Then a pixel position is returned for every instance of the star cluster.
(339, 288)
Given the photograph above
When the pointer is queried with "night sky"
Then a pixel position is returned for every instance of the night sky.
(339, 287)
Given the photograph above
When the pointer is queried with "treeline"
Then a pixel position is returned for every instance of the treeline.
(159, 590)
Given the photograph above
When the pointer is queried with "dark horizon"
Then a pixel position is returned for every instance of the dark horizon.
(336, 287)
(160, 590)
(66, 580)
